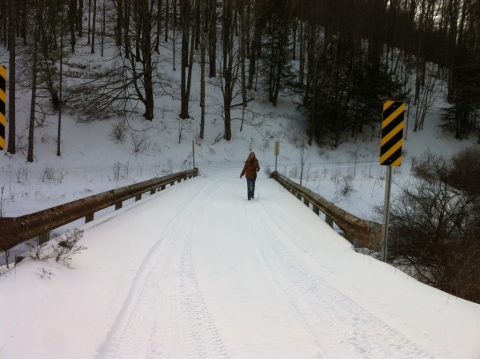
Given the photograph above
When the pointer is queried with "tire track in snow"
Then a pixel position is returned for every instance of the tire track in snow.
(341, 326)
(164, 314)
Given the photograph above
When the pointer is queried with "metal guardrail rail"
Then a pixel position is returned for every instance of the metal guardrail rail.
(367, 233)
(15, 230)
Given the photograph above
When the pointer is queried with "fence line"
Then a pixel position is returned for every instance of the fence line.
(16, 230)
(367, 233)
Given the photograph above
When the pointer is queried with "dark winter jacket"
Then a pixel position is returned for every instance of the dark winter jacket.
(251, 168)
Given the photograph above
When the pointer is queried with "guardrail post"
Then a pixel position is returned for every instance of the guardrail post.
(299, 196)
(89, 217)
(44, 237)
(18, 259)
(329, 221)
(316, 210)
(138, 197)
(305, 201)
(348, 237)
(162, 188)
(172, 183)
(118, 205)
(153, 191)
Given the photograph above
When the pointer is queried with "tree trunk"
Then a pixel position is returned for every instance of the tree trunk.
(23, 29)
(120, 19)
(190, 68)
(149, 100)
(185, 8)
(254, 50)
(302, 54)
(225, 32)
(243, 54)
(89, 21)
(80, 18)
(167, 14)
(229, 76)
(146, 46)
(104, 11)
(72, 14)
(137, 14)
(227, 100)
(212, 41)
(34, 86)
(60, 105)
(93, 25)
(159, 25)
(203, 44)
(126, 27)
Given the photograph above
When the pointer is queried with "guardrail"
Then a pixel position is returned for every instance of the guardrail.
(367, 233)
(15, 230)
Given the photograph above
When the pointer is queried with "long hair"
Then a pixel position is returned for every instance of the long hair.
(253, 159)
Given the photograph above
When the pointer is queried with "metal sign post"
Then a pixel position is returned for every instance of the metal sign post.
(386, 214)
(390, 155)
(193, 152)
(276, 152)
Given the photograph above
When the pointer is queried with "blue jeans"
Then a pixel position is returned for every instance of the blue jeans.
(250, 187)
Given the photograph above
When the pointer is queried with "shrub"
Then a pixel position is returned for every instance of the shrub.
(67, 246)
(141, 142)
(268, 171)
(48, 174)
(119, 130)
(121, 171)
(461, 171)
(345, 184)
(45, 273)
(434, 231)
(37, 250)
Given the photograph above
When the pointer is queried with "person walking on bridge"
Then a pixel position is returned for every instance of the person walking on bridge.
(250, 171)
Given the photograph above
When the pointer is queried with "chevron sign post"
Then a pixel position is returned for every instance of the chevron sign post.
(391, 144)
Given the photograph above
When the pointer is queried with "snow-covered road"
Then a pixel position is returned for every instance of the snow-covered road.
(197, 271)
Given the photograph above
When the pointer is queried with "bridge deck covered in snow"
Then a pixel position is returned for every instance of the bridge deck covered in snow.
(197, 271)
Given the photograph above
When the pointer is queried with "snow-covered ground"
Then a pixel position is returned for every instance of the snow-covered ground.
(197, 271)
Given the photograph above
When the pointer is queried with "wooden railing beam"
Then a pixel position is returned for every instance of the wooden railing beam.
(368, 233)
(15, 230)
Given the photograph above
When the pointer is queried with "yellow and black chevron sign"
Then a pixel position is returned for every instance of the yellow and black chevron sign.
(392, 133)
(3, 101)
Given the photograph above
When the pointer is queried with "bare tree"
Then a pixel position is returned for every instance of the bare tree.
(231, 66)
(93, 25)
(72, 15)
(60, 106)
(34, 83)
(212, 39)
(205, 23)
(185, 22)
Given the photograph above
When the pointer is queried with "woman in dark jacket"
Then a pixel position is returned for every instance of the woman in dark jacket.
(250, 171)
